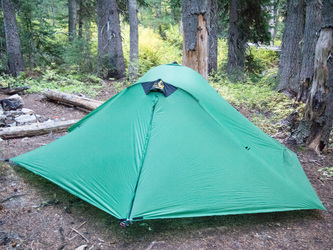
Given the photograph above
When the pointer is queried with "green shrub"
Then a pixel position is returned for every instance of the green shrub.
(260, 59)
(153, 50)
(78, 57)
(50, 79)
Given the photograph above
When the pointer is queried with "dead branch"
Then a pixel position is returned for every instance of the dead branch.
(12, 197)
(12, 91)
(80, 234)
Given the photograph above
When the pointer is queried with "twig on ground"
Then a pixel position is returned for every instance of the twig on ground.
(12, 197)
(80, 234)
(76, 229)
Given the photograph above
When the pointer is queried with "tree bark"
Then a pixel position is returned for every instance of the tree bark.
(272, 21)
(213, 38)
(80, 18)
(102, 20)
(110, 50)
(74, 100)
(133, 68)
(13, 45)
(291, 51)
(236, 42)
(35, 129)
(312, 28)
(316, 125)
(196, 23)
(115, 41)
(72, 16)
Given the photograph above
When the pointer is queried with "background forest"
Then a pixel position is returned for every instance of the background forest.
(76, 46)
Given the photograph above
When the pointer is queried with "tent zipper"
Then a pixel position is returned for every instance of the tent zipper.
(155, 100)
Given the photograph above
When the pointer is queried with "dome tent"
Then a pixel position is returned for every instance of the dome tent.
(170, 146)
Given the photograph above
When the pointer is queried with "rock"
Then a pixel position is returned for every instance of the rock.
(2, 120)
(4, 238)
(8, 124)
(12, 103)
(13, 113)
(27, 111)
(41, 118)
(81, 247)
(25, 118)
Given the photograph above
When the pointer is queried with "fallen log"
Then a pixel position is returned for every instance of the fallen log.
(12, 91)
(35, 129)
(82, 102)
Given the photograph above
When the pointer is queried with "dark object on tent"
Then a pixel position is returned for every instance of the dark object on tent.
(159, 86)
(142, 155)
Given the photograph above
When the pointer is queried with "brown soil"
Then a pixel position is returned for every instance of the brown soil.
(36, 214)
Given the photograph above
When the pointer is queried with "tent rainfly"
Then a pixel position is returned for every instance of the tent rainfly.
(170, 146)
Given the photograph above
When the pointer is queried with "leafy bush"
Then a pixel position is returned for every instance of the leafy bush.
(260, 59)
(153, 50)
(222, 54)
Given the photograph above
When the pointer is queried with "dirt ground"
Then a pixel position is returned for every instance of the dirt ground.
(36, 214)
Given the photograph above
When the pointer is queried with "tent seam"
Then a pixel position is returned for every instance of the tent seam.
(143, 156)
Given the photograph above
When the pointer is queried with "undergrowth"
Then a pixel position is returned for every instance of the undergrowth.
(259, 102)
(51, 79)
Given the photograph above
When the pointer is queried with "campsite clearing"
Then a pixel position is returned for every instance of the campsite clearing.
(40, 215)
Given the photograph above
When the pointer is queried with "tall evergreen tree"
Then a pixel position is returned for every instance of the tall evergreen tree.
(213, 37)
(13, 45)
(110, 51)
(236, 43)
(133, 67)
(291, 51)
(248, 21)
(315, 128)
(72, 19)
(312, 27)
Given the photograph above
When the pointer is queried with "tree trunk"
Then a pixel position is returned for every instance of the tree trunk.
(133, 67)
(13, 45)
(312, 27)
(196, 23)
(213, 39)
(32, 47)
(72, 16)
(291, 51)
(102, 20)
(80, 18)
(316, 125)
(236, 42)
(272, 22)
(117, 69)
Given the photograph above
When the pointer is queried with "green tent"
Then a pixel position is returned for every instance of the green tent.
(170, 146)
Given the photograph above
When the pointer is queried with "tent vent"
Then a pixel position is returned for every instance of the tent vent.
(138, 218)
(160, 86)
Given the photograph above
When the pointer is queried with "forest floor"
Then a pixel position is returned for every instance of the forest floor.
(37, 214)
